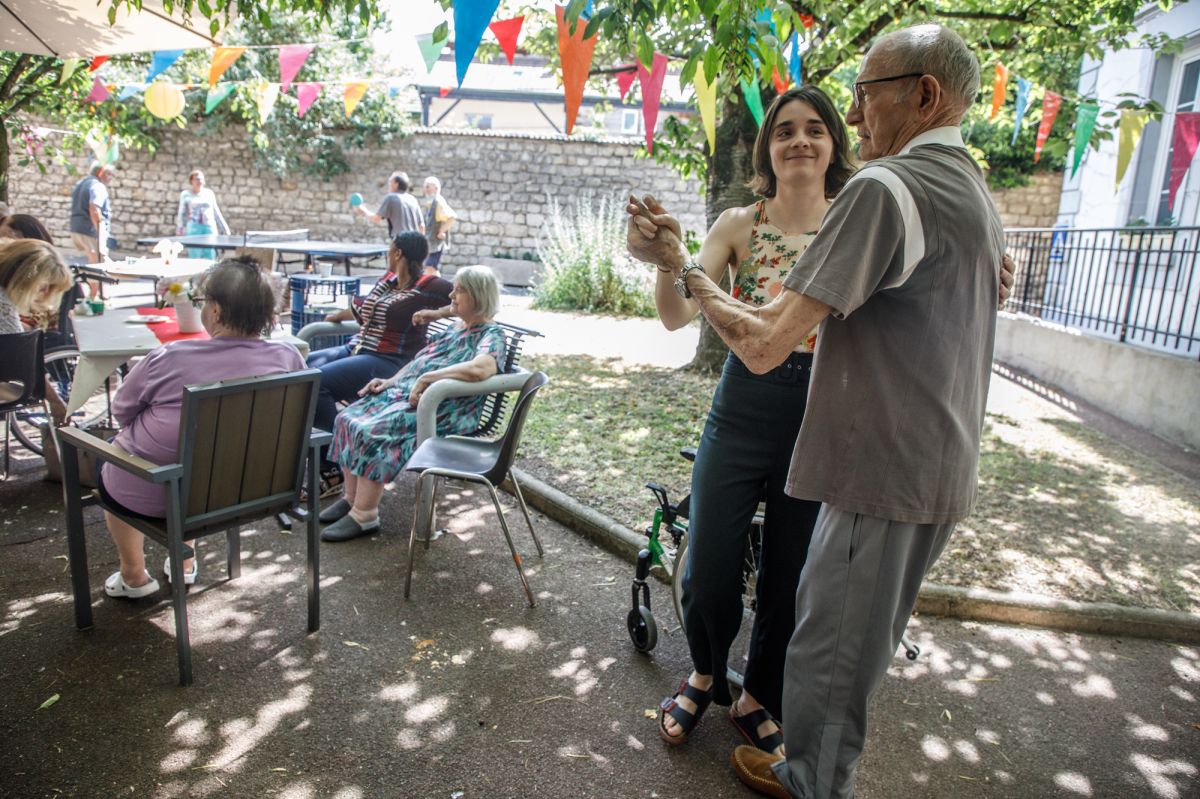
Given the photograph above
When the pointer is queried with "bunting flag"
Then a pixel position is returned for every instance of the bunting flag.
(222, 59)
(753, 100)
(625, 81)
(217, 94)
(575, 52)
(1132, 123)
(471, 18)
(807, 20)
(1183, 147)
(99, 92)
(506, 32)
(706, 98)
(105, 148)
(160, 62)
(265, 96)
(999, 89)
(1050, 104)
(651, 83)
(430, 50)
(795, 64)
(353, 95)
(780, 84)
(291, 59)
(444, 91)
(97, 62)
(130, 89)
(68, 69)
(1023, 87)
(306, 95)
(1085, 122)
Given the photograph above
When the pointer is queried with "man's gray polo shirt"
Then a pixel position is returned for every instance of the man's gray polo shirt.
(402, 212)
(908, 257)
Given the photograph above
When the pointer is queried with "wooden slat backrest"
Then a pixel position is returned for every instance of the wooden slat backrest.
(243, 443)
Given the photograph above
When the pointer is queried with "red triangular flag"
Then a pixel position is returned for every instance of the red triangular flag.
(506, 32)
(575, 52)
(625, 80)
(807, 21)
(97, 62)
(780, 83)
(1183, 147)
(445, 90)
(651, 82)
(1050, 104)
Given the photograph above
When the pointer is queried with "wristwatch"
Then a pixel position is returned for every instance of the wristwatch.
(681, 281)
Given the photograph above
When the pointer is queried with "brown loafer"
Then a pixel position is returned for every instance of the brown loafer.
(753, 767)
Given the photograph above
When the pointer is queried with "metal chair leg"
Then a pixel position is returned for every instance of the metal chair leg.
(508, 537)
(412, 539)
(312, 529)
(233, 546)
(7, 429)
(183, 642)
(525, 510)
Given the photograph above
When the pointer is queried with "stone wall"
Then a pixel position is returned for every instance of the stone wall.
(499, 184)
(1034, 205)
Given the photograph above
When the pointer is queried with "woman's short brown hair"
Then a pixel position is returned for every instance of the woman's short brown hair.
(840, 168)
(25, 266)
(244, 293)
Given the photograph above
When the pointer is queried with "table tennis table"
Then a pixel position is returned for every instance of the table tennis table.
(290, 242)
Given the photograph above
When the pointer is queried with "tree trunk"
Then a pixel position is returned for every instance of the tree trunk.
(729, 169)
(3, 163)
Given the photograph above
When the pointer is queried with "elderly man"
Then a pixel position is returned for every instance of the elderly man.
(903, 277)
(91, 217)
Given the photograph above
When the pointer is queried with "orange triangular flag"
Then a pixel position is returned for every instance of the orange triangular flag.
(506, 32)
(354, 93)
(445, 90)
(576, 55)
(780, 84)
(999, 89)
(223, 58)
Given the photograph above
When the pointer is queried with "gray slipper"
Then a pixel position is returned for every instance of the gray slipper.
(347, 529)
(334, 512)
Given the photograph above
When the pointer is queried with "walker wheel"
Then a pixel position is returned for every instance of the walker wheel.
(912, 652)
(642, 629)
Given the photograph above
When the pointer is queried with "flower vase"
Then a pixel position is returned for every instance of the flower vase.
(188, 317)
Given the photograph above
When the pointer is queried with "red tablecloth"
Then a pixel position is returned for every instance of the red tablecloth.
(169, 330)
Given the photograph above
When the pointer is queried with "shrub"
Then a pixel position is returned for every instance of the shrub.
(586, 267)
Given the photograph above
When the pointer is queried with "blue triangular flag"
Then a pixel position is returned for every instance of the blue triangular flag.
(130, 89)
(161, 62)
(1023, 87)
(471, 18)
(794, 63)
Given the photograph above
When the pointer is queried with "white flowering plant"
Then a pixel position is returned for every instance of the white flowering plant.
(169, 292)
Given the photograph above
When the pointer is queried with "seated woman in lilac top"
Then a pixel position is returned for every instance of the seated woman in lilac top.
(239, 307)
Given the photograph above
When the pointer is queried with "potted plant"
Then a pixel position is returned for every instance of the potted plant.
(187, 304)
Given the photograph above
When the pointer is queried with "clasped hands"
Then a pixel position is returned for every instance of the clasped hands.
(379, 384)
(654, 236)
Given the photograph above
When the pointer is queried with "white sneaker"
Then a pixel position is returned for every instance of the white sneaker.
(189, 578)
(116, 586)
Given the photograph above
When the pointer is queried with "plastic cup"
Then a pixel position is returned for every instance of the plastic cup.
(356, 200)
(325, 268)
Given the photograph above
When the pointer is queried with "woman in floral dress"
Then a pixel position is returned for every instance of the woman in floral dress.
(374, 437)
(800, 163)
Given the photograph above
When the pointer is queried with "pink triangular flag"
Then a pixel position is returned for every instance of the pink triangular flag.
(99, 92)
(1050, 104)
(506, 32)
(291, 58)
(651, 82)
(1183, 147)
(625, 81)
(306, 95)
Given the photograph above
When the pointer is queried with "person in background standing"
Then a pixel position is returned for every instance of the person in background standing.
(199, 214)
(91, 217)
(439, 217)
(399, 209)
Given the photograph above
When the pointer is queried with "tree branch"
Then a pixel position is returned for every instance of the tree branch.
(1020, 19)
(18, 68)
(861, 40)
(30, 87)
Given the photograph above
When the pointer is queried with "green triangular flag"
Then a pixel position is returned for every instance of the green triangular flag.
(753, 101)
(430, 49)
(68, 69)
(216, 94)
(1085, 120)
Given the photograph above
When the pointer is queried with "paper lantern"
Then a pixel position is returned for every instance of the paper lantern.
(164, 100)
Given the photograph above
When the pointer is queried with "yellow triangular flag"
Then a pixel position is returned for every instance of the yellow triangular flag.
(706, 98)
(354, 93)
(223, 58)
(265, 95)
(1132, 123)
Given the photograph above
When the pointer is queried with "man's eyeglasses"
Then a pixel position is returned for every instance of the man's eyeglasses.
(858, 92)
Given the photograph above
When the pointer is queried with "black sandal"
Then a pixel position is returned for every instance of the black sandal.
(748, 725)
(687, 721)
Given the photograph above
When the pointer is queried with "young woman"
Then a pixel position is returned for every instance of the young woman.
(800, 164)
(198, 214)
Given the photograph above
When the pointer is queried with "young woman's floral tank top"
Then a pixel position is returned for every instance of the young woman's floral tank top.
(772, 255)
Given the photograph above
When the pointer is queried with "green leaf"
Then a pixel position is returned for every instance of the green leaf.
(712, 63)
(112, 15)
(48, 702)
(689, 70)
(441, 32)
(645, 50)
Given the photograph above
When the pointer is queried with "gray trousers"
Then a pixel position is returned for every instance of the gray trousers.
(857, 591)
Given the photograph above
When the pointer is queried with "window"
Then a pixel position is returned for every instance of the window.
(479, 121)
(1186, 100)
(631, 121)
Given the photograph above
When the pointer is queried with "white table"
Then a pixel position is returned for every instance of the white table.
(107, 341)
(155, 268)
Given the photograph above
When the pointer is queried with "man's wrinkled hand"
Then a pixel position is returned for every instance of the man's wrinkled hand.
(653, 235)
(1008, 275)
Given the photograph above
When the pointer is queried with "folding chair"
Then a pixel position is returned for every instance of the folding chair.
(21, 379)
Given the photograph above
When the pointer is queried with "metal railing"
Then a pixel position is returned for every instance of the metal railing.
(1139, 285)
